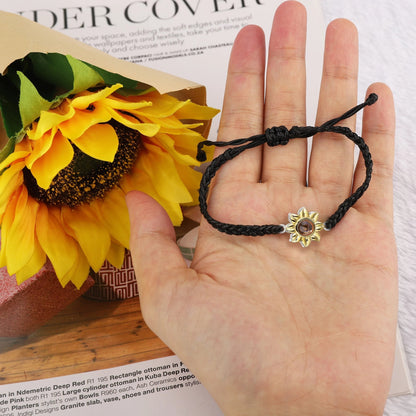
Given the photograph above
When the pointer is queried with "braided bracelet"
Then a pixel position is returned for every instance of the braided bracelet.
(303, 226)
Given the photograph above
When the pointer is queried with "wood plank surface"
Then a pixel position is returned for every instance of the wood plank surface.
(88, 335)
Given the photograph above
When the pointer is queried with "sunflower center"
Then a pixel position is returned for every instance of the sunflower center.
(305, 227)
(86, 178)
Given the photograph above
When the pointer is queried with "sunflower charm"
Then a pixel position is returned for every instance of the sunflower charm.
(304, 227)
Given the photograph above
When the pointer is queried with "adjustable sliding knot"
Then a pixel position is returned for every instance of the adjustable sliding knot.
(304, 226)
(277, 135)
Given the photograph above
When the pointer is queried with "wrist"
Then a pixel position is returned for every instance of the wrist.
(318, 402)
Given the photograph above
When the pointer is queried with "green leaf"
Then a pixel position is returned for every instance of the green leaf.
(52, 73)
(31, 103)
(7, 150)
(130, 86)
(9, 107)
(84, 76)
(40, 81)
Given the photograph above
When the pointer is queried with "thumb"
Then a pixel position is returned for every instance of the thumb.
(153, 245)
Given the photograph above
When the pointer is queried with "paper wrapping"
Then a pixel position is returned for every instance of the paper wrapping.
(24, 36)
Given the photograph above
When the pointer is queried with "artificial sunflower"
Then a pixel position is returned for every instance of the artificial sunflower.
(79, 139)
(304, 227)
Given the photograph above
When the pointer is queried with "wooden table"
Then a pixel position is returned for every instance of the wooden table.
(88, 335)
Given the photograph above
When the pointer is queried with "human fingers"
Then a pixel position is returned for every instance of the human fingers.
(242, 113)
(332, 156)
(285, 93)
(378, 133)
(153, 247)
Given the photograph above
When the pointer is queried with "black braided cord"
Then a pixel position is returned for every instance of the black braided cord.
(275, 136)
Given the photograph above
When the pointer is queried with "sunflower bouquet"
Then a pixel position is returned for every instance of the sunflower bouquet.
(78, 139)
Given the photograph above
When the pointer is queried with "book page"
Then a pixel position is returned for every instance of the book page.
(155, 387)
(164, 386)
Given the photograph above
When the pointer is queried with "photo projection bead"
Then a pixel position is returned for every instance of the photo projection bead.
(305, 227)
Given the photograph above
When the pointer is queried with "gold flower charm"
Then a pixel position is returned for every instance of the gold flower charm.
(304, 227)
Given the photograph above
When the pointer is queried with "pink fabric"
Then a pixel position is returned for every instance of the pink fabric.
(25, 307)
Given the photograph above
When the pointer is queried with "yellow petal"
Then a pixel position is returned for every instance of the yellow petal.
(196, 112)
(113, 215)
(162, 105)
(13, 157)
(179, 155)
(165, 178)
(86, 98)
(50, 119)
(79, 272)
(140, 181)
(39, 148)
(34, 264)
(187, 145)
(10, 181)
(165, 105)
(191, 179)
(90, 234)
(184, 130)
(170, 125)
(7, 223)
(21, 236)
(83, 120)
(116, 255)
(51, 163)
(147, 129)
(120, 104)
(99, 141)
(60, 248)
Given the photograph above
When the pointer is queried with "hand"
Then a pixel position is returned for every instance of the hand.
(269, 327)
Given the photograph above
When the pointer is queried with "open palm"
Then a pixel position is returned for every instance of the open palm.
(267, 326)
